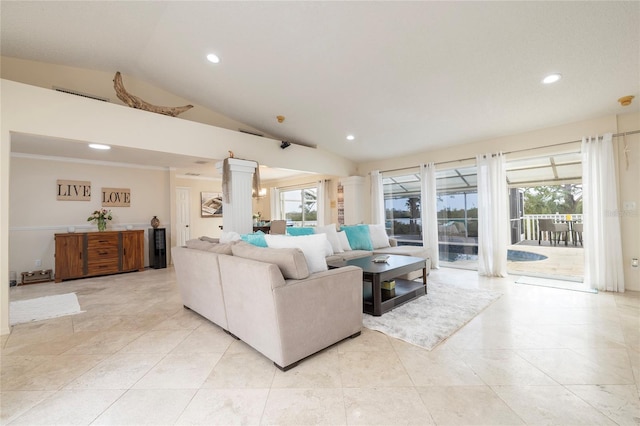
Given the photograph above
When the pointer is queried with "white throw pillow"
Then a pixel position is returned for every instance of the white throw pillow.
(344, 241)
(332, 235)
(313, 247)
(328, 250)
(227, 237)
(379, 237)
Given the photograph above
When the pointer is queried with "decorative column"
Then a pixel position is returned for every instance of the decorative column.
(353, 188)
(237, 210)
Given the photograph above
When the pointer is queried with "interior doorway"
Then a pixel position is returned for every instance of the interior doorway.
(183, 212)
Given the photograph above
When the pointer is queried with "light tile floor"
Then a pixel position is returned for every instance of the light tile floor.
(536, 356)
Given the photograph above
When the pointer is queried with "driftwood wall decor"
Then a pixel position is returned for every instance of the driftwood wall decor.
(136, 102)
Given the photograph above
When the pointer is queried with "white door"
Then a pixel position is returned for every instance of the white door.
(182, 215)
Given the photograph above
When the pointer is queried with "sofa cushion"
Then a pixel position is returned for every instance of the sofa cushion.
(379, 237)
(209, 239)
(291, 261)
(332, 235)
(344, 241)
(313, 247)
(348, 255)
(199, 244)
(415, 251)
(299, 230)
(358, 236)
(225, 248)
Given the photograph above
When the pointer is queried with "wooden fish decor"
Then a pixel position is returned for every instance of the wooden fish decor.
(136, 102)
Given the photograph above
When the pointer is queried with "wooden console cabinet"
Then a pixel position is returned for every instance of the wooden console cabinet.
(98, 253)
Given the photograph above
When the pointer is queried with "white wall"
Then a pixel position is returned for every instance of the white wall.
(36, 215)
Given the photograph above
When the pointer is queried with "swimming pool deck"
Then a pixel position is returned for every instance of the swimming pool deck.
(564, 262)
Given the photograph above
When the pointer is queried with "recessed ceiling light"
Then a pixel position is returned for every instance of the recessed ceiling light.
(350, 137)
(213, 58)
(99, 146)
(551, 78)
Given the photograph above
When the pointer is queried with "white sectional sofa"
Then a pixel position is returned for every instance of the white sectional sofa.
(267, 297)
(375, 238)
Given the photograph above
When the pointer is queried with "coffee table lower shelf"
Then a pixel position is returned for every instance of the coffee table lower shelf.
(405, 291)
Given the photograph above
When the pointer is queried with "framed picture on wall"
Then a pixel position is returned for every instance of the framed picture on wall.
(211, 204)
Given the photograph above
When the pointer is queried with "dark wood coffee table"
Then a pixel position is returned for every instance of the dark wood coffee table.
(375, 301)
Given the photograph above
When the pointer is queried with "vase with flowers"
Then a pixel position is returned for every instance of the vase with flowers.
(100, 218)
(256, 218)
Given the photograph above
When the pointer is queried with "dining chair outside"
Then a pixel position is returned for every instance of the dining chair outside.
(557, 229)
(578, 228)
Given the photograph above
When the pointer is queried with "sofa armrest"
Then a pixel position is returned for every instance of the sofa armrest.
(289, 320)
(393, 242)
(198, 277)
(318, 311)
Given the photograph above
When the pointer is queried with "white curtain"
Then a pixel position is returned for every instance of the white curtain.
(275, 204)
(493, 219)
(603, 268)
(321, 200)
(377, 198)
(429, 211)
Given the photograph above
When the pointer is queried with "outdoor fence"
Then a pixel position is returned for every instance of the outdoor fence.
(530, 225)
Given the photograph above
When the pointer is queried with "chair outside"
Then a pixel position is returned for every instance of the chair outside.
(577, 229)
(552, 229)
(278, 227)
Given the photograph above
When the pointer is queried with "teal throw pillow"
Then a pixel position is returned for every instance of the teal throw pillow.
(298, 231)
(358, 236)
(256, 239)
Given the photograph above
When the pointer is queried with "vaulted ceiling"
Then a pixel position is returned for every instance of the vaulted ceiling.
(402, 77)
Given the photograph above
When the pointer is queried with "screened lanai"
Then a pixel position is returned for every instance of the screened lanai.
(457, 209)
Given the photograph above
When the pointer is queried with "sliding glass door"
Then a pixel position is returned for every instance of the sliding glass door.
(402, 207)
(458, 217)
(546, 188)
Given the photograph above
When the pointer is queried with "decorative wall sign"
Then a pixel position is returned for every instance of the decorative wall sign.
(73, 190)
(116, 197)
(211, 204)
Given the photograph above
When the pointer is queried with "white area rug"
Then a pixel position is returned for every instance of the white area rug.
(42, 308)
(565, 285)
(432, 318)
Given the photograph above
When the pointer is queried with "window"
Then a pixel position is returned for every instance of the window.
(457, 212)
(458, 215)
(402, 208)
(299, 206)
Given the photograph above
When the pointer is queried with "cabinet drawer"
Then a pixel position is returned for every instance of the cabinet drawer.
(98, 268)
(99, 254)
(98, 241)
